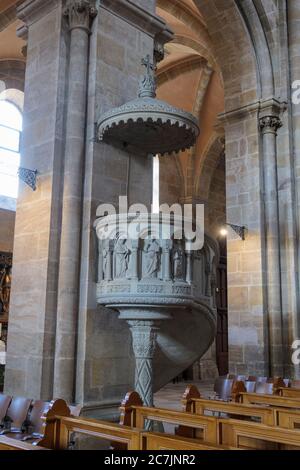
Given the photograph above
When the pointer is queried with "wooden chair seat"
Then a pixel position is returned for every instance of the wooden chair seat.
(4, 404)
(16, 415)
(7, 443)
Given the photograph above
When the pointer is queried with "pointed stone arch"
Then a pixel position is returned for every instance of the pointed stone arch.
(210, 160)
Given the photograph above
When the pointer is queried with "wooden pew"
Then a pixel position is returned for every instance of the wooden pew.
(157, 441)
(59, 430)
(270, 400)
(135, 415)
(289, 392)
(230, 433)
(246, 435)
(287, 418)
(6, 443)
(193, 403)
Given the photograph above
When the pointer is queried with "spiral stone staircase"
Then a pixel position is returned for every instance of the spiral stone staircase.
(163, 289)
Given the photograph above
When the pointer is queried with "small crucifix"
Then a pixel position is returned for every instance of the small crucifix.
(148, 64)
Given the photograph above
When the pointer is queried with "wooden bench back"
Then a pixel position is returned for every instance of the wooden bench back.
(59, 429)
(136, 415)
(289, 392)
(7, 443)
(157, 441)
(248, 435)
(287, 418)
(191, 402)
(270, 400)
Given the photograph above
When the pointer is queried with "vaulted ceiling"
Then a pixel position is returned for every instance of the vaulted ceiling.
(189, 77)
(10, 45)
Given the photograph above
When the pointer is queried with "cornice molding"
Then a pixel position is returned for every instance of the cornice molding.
(7, 17)
(138, 17)
(31, 10)
(268, 107)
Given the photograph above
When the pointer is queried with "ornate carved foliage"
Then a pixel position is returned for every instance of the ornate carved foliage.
(80, 13)
(270, 124)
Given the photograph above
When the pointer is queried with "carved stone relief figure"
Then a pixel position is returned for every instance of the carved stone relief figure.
(178, 262)
(105, 255)
(5, 284)
(214, 282)
(152, 255)
(2, 279)
(122, 254)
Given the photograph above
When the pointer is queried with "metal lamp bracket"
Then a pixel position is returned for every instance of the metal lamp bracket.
(239, 230)
(28, 176)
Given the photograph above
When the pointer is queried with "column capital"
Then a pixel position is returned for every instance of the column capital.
(80, 14)
(270, 124)
(144, 334)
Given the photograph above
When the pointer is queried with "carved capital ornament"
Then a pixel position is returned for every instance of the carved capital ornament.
(269, 124)
(80, 14)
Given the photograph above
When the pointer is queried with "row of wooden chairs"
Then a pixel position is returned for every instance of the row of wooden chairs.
(22, 418)
(253, 378)
(223, 386)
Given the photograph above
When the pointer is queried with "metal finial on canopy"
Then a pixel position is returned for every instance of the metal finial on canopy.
(148, 125)
(148, 81)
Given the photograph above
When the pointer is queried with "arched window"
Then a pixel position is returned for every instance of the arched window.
(10, 131)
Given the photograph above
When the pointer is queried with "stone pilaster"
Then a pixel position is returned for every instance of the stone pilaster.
(269, 125)
(31, 338)
(79, 15)
(247, 344)
(293, 283)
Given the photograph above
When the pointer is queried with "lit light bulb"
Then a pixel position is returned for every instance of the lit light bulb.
(224, 232)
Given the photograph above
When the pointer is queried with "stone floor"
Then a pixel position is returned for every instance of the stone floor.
(170, 396)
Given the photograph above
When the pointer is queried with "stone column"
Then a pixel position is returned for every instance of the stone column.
(79, 14)
(135, 260)
(144, 335)
(189, 267)
(167, 260)
(269, 125)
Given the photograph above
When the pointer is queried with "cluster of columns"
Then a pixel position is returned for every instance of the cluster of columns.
(269, 125)
(79, 15)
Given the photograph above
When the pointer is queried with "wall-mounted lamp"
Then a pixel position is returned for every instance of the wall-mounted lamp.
(28, 176)
(239, 230)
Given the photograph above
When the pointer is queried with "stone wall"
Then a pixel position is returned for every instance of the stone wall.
(31, 339)
(7, 227)
(12, 73)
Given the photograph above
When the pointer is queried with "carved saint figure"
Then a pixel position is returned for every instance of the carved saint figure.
(152, 254)
(178, 260)
(105, 255)
(122, 253)
(5, 284)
